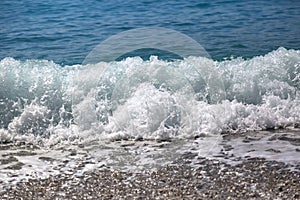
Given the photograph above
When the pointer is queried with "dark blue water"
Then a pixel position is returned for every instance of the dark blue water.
(65, 31)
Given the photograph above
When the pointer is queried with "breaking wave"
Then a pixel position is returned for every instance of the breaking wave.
(153, 99)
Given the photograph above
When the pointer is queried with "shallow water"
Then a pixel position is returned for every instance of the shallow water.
(21, 162)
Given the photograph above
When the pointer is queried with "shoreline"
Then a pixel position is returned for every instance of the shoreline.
(254, 178)
(242, 166)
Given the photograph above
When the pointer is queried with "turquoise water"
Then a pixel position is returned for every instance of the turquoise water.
(46, 91)
(117, 113)
(66, 31)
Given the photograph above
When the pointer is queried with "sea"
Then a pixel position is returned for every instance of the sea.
(135, 84)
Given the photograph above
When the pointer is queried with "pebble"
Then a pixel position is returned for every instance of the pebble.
(253, 178)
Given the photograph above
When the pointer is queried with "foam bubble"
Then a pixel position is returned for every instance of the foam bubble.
(40, 99)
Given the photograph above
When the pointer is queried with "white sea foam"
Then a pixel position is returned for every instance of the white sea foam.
(75, 114)
(155, 99)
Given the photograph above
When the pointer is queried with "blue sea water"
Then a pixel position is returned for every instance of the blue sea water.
(46, 91)
(65, 31)
(52, 98)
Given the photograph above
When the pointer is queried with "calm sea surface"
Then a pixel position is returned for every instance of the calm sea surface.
(66, 31)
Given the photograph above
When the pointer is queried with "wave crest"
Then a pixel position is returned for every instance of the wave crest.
(150, 99)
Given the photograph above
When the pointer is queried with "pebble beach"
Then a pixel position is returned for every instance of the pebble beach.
(189, 176)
